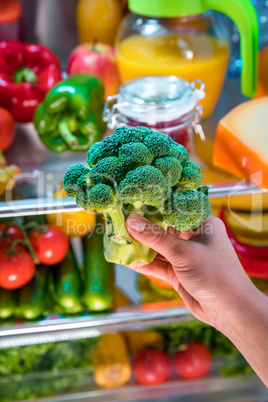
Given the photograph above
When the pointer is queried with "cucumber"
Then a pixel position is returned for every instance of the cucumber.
(68, 284)
(32, 297)
(99, 275)
(8, 303)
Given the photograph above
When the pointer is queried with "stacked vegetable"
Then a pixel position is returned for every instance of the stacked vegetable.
(39, 273)
(142, 171)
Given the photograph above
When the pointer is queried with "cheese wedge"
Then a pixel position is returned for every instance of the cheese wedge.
(241, 142)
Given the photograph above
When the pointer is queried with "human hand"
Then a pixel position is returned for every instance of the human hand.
(201, 265)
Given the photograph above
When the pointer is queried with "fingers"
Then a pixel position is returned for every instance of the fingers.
(155, 237)
(159, 269)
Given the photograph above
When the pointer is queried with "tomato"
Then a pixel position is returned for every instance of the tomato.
(159, 282)
(13, 232)
(16, 270)
(7, 129)
(193, 362)
(50, 245)
(151, 367)
(74, 224)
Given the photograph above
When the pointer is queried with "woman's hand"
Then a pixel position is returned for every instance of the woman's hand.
(202, 266)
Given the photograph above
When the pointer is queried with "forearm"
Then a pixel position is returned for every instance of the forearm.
(245, 323)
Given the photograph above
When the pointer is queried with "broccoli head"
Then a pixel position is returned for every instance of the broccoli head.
(142, 171)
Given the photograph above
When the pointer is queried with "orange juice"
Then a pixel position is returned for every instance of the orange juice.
(188, 56)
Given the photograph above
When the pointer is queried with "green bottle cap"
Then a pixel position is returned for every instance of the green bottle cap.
(166, 8)
(242, 12)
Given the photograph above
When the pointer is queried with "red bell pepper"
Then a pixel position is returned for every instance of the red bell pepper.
(247, 250)
(27, 72)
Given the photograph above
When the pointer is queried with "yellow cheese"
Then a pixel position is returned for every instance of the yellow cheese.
(241, 141)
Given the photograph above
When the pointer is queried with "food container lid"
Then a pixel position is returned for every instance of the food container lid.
(160, 98)
(10, 10)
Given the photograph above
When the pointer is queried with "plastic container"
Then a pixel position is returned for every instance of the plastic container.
(164, 103)
(184, 38)
(10, 12)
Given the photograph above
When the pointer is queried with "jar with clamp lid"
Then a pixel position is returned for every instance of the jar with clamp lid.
(164, 103)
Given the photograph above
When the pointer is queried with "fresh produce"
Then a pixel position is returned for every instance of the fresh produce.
(71, 116)
(137, 341)
(68, 284)
(27, 72)
(99, 275)
(7, 129)
(97, 59)
(151, 367)
(98, 20)
(16, 270)
(111, 367)
(34, 371)
(10, 231)
(138, 170)
(240, 142)
(7, 173)
(50, 244)
(193, 362)
(159, 282)
(32, 297)
(152, 293)
(8, 303)
(74, 224)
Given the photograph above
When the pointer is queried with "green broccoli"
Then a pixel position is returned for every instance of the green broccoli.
(142, 171)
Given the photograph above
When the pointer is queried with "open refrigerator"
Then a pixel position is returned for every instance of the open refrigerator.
(54, 359)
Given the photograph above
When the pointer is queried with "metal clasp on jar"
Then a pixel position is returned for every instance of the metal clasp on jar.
(110, 112)
(196, 124)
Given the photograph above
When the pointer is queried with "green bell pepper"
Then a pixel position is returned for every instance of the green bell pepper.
(70, 118)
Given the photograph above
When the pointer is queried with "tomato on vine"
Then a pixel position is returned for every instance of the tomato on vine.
(50, 244)
(16, 270)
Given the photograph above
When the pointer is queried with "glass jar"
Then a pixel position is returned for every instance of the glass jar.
(188, 47)
(164, 103)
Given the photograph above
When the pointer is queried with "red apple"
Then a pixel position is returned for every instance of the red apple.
(96, 59)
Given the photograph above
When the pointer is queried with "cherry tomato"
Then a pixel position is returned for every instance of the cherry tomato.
(151, 367)
(193, 362)
(7, 129)
(50, 246)
(11, 231)
(16, 270)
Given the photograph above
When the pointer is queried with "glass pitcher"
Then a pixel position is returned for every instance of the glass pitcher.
(184, 38)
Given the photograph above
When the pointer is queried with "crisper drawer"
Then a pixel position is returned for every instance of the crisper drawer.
(134, 353)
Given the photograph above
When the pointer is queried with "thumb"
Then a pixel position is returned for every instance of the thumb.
(152, 235)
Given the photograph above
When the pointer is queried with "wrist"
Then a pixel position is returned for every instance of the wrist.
(243, 305)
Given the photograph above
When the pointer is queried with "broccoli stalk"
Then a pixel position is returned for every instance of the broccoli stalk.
(141, 171)
(118, 242)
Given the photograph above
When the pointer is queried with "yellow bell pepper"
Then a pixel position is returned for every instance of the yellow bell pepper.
(74, 224)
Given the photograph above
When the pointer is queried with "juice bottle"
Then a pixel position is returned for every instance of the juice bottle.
(176, 37)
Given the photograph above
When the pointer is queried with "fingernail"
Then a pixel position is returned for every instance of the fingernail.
(137, 223)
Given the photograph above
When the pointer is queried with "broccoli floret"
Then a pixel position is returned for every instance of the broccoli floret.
(146, 184)
(187, 210)
(96, 153)
(101, 198)
(142, 171)
(76, 180)
(191, 176)
(134, 154)
(170, 168)
(158, 143)
(179, 152)
(107, 171)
